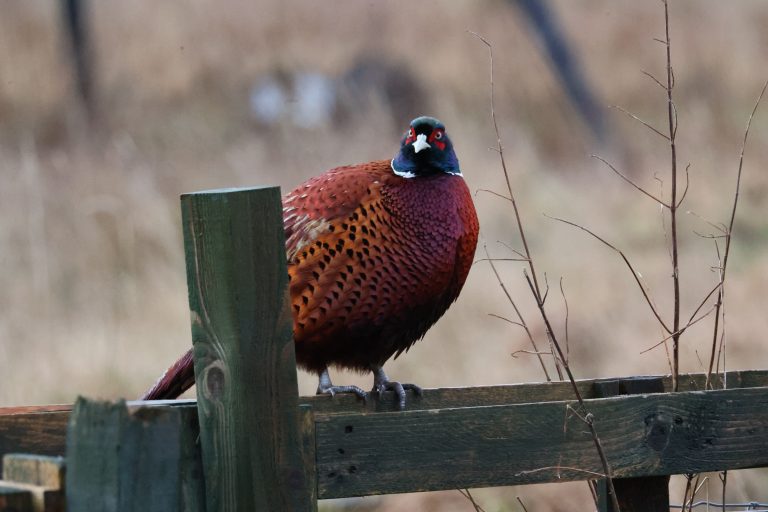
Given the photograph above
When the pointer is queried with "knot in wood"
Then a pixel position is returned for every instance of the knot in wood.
(658, 428)
(214, 380)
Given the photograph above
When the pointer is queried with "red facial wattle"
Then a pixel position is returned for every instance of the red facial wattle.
(436, 138)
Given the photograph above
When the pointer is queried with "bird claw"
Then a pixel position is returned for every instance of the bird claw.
(398, 388)
(332, 390)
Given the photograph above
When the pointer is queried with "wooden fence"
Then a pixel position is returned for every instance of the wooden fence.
(249, 442)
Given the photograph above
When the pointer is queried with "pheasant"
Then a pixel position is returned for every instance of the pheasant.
(376, 252)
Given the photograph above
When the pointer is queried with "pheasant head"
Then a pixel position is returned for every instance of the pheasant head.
(425, 149)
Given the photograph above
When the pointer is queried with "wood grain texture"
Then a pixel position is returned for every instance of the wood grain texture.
(42, 429)
(308, 451)
(245, 367)
(41, 433)
(643, 435)
(645, 494)
(508, 394)
(123, 462)
(14, 499)
(34, 470)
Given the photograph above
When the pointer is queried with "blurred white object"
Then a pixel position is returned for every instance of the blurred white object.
(268, 101)
(307, 99)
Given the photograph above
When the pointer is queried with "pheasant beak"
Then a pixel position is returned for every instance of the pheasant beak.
(420, 143)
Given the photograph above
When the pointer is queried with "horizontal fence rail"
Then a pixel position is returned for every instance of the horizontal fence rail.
(508, 440)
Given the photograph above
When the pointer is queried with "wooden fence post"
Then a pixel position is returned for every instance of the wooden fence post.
(121, 462)
(245, 368)
(646, 494)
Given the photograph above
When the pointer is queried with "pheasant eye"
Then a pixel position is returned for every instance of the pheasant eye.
(410, 132)
(439, 135)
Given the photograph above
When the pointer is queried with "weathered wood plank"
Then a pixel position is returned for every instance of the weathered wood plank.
(34, 470)
(15, 499)
(42, 429)
(39, 433)
(308, 457)
(643, 435)
(245, 366)
(444, 398)
(646, 494)
(119, 462)
(41, 499)
(42, 476)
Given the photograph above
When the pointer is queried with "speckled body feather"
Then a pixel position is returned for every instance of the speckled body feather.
(374, 260)
(376, 253)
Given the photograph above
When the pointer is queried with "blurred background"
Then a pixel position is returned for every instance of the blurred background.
(109, 112)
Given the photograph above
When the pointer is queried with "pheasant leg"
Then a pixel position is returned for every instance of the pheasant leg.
(381, 383)
(326, 387)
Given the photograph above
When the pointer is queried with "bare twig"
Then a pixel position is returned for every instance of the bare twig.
(673, 205)
(644, 123)
(521, 503)
(519, 324)
(519, 315)
(504, 164)
(658, 82)
(559, 469)
(636, 275)
(468, 495)
(492, 193)
(628, 180)
(565, 301)
(729, 232)
(536, 292)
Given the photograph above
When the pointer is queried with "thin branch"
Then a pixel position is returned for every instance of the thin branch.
(681, 331)
(673, 204)
(559, 468)
(515, 251)
(635, 274)
(644, 123)
(729, 231)
(529, 352)
(492, 193)
(500, 146)
(521, 503)
(468, 495)
(685, 190)
(628, 180)
(517, 312)
(565, 301)
(655, 80)
(498, 259)
(519, 324)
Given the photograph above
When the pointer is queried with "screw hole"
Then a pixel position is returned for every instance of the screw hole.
(348, 429)
(352, 469)
(341, 451)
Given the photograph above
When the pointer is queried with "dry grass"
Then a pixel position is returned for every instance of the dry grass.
(91, 263)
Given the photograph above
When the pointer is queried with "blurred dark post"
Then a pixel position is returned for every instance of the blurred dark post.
(75, 24)
(544, 23)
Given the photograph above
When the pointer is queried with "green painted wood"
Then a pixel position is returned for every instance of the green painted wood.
(42, 429)
(308, 451)
(122, 462)
(93, 441)
(243, 346)
(444, 398)
(643, 435)
(646, 494)
(191, 462)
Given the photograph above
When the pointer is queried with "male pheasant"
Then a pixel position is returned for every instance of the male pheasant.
(377, 252)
